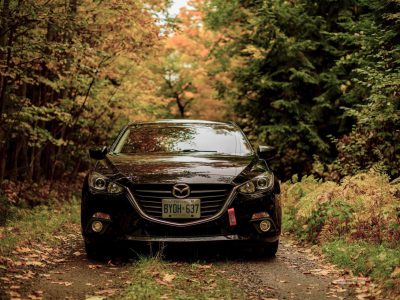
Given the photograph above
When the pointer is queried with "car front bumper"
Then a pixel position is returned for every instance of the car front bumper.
(127, 223)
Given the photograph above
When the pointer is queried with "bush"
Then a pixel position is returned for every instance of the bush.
(365, 206)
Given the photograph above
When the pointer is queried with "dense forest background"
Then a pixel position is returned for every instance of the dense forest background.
(319, 80)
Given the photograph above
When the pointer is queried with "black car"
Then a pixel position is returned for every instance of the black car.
(181, 181)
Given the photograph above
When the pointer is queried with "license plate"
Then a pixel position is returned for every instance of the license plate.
(181, 208)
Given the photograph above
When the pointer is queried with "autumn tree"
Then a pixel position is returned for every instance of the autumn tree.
(187, 82)
(60, 66)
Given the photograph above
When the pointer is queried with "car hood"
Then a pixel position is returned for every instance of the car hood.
(193, 168)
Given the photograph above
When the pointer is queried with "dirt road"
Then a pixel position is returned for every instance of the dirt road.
(65, 273)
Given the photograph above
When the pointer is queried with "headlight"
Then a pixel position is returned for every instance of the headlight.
(260, 183)
(114, 188)
(101, 183)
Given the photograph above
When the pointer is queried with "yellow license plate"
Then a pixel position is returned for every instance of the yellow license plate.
(181, 208)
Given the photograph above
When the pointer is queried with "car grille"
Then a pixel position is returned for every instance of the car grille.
(212, 198)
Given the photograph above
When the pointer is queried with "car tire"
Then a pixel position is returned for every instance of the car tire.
(96, 251)
(270, 249)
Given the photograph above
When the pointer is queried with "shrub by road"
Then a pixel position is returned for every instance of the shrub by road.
(356, 223)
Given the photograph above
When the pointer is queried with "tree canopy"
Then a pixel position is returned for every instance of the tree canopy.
(319, 80)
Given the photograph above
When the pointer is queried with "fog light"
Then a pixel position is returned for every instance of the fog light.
(97, 226)
(265, 225)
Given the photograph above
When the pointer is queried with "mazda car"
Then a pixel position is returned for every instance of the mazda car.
(178, 181)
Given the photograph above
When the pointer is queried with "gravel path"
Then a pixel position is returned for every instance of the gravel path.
(295, 273)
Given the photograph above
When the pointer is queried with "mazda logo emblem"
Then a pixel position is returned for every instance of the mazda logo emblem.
(181, 190)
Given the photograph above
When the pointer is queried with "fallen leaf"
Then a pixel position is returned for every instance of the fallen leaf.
(204, 266)
(168, 277)
(94, 267)
(5, 279)
(35, 264)
(66, 283)
(106, 292)
(23, 249)
(210, 280)
(38, 292)
(363, 296)
(340, 282)
(34, 297)
(395, 273)
(14, 294)
(95, 298)
(159, 281)
(154, 273)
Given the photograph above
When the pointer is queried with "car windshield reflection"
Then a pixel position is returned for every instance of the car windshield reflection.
(221, 139)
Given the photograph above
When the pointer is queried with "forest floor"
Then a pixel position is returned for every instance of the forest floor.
(38, 270)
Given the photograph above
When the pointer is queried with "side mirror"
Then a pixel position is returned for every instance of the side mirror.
(98, 153)
(266, 152)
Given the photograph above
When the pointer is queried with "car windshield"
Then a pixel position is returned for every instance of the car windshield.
(156, 138)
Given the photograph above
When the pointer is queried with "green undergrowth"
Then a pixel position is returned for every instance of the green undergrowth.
(158, 279)
(40, 223)
(356, 222)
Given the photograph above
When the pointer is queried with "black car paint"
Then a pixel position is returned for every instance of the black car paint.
(128, 170)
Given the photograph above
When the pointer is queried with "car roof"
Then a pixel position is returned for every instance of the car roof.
(183, 122)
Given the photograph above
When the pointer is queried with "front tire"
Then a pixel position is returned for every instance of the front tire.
(270, 249)
(96, 250)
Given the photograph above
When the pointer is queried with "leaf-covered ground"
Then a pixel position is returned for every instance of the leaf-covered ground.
(36, 270)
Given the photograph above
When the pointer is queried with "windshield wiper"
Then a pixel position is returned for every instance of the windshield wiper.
(195, 150)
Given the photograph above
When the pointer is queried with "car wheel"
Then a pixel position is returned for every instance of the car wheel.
(270, 249)
(96, 250)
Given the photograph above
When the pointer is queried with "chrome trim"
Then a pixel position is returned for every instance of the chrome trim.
(134, 203)
(181, 190)
(163, 197)
(208, 191)
(153, 191)
(189, 239)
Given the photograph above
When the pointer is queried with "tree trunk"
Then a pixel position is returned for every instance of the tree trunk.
(15, 171)
(3, 160)
(5, 40)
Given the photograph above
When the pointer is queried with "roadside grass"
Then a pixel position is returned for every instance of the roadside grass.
(376, 261)
(154, 278)
(39, 223)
